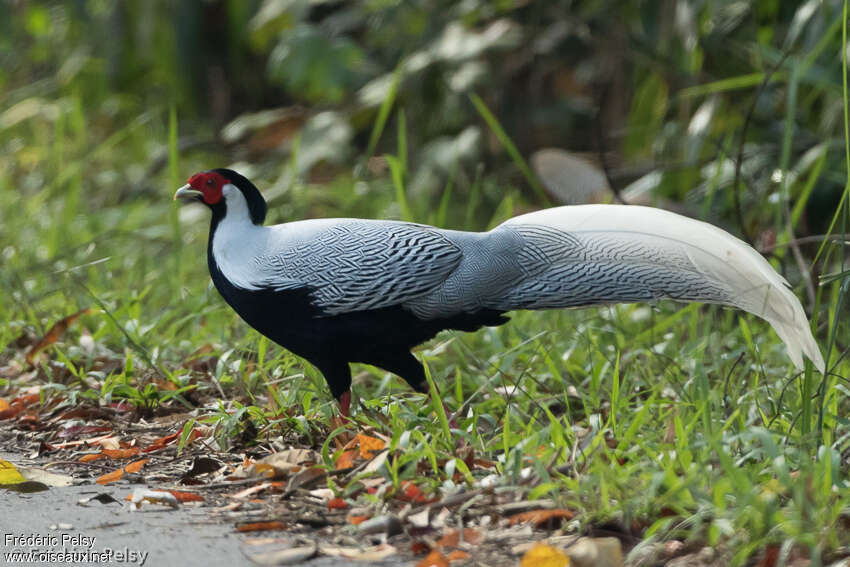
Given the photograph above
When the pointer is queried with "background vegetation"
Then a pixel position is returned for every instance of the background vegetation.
(675, 422)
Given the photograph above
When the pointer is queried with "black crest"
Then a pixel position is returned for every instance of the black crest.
(256, 204)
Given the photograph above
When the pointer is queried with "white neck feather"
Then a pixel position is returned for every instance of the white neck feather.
(237, 241)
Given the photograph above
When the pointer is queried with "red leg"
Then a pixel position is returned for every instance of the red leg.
(345, 404)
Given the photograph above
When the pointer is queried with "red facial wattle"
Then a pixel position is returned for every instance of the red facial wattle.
(210, 184)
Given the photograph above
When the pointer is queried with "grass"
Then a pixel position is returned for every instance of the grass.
(667, 421)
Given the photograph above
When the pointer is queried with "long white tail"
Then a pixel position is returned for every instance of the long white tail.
(595, 254)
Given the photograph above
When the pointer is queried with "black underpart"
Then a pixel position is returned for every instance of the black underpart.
(380, 337)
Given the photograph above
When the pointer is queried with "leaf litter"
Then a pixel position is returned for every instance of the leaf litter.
(345, 503)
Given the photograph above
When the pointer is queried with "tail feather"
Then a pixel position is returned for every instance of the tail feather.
(595, 254)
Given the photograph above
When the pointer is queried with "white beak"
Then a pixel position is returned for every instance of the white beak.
(186, 192)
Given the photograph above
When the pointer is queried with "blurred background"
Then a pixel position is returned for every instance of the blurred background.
(458, 114)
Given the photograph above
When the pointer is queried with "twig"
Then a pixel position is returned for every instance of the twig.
(450, 501)
(740, 159)
(814, 238)
(601, 146)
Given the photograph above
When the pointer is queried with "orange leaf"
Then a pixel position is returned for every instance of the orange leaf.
(457, 555)
(161, 442)
(369, 445)
(412, 493)
(91, 457)
(26, 399)
(182, 496)
(135, 466)
(120, 453)
(10, 412)
(53, 334)
(261, 526)
(540, 517)
(337, 504)
(542, 555)
(345, 460)
(434, 559)
(357, 520)
(110, 477)
(451, 538)
(419, 548)
(4, 405)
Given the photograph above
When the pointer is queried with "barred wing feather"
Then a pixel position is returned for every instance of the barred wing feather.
(361, 265)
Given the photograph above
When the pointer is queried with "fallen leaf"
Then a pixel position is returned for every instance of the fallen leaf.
(202, 465)
(375, 553)
(9, 474)
(457, 555)
(286, 556)
(133, 467)
(452, 537)
(46, 477)
(542, 555)
(261, 526)
(435, 559)
(3, 404)
(345, 460)
(419, 548)
(53, 334)
(283, 463)
(411, 493)
(120, 453)
(162, 442)
(244, 494)
(541, 517)
(110, 477)
(357, 520)
(337, 504)
(597, 552)
(91, 457)
(103, 498)
(369, 445)
(140, 495)
(183, 496)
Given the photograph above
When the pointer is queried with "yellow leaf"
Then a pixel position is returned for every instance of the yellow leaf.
(542, 555)
(9, 474)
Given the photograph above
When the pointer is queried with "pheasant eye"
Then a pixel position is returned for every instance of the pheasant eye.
(209, 181)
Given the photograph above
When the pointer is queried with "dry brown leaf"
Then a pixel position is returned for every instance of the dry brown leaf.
(357, 520)
(337, 504)
(135, 466)
(120, 453)
(434, 559)
(457, 555)
(91, 457)
(345, 460)
(542, 555)
(452, 537)
(183, 496)
(541, 517)
(261, 526)
(411, 493)
(243, 494)
(110, 476)
(161, 442)
(4, 405)
(369, 445)
(282, 463)
(53, 334)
